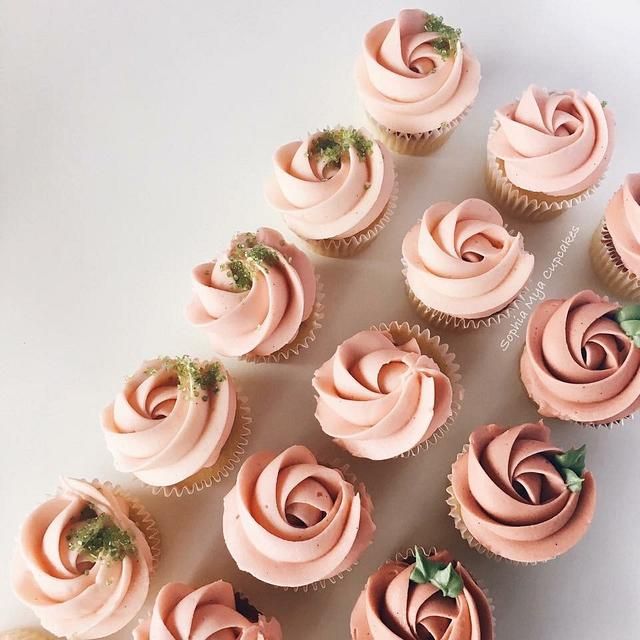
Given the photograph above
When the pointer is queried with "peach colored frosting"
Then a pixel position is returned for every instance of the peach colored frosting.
(157, 432)
(71, 595)
(577, 362)
(319, 201)
(405, 84)
(512, 498)
(557, 143)
(462, 261)
(264, 318)
(210, 612)
(378, 399)
(623, 222)
(290, 521)
(392, 607)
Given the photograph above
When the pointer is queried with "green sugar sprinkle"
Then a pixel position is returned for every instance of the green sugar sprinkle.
(447, 43)
(100, 539)
(245, 258)
(333, 144)
(194, 376)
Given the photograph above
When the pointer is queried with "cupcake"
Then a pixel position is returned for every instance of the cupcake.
(580, 362)
(615, 248)
(26, 633)
(212, 611)
(258, 300)
(84, 560)
(335, 190)
(419, 596)
(463, 268)
(416, 81)
(548, 151)
(388, 391)
(178, 425)
(293, 522)
(515, 495)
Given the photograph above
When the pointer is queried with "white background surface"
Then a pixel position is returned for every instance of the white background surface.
(134, 141)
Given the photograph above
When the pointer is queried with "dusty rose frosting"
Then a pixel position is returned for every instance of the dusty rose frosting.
(157, 432)
(557, 143)
(623, 222)
(577, 362)
(290, 521)
(405, 84)
(512, 498)
(462, 261)
(392, 607)
(264, 318)
(379, 399)
(210, 612)
(72, 596)
(319, 201)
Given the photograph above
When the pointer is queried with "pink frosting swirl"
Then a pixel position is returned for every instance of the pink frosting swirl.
(72, 595)
(557, 143)
(405, 84)
(290, 521)
(321, 201)
(577, 362)
(160, 432)
(623, 222)
(392, 607)
(378, 399)
(265, 317)
(512, 498)
(207, 613)
(462, 261)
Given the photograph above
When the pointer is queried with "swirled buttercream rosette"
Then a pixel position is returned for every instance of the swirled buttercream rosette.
(514, 495)
(336, 190)
(416, 81)
(84, 559)
(463, 269)
(260, 300)
(179, 425)
(390, 391)
(293, 522)
(547, 152)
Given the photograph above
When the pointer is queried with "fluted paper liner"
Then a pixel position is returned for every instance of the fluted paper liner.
(305, 336)
(27, 633)
(609, 267)
(438, 351)
(526, 205)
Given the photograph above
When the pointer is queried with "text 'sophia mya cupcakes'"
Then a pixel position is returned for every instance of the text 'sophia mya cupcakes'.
(178, 425)
(548, 151)
(463, 269)
(515, 495)
(388, 391)
(420, 595)
(84, 560)
(615, 247)
(259, 300)
(293, 522)
(336, 189)
(212, 611)
(416, 81)
(581, 359)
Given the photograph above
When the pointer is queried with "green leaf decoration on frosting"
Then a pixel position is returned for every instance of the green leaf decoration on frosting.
(571, 465)
(100, 539)
(194, 377)
(245, 258)
(333, 144)
(447, 43)
(628, 318)
(440, 575)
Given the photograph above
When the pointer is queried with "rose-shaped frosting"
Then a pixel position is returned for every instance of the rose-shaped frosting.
(406, 84)
(260, 310)
(378, 399)
(577, 362)
(163, 426)
(462, 261)
(320, 199)
(210, 612)
(290, 521)
(557, 143)
(392, 607)
(513, 499)
(623, 222)
(72, 594)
